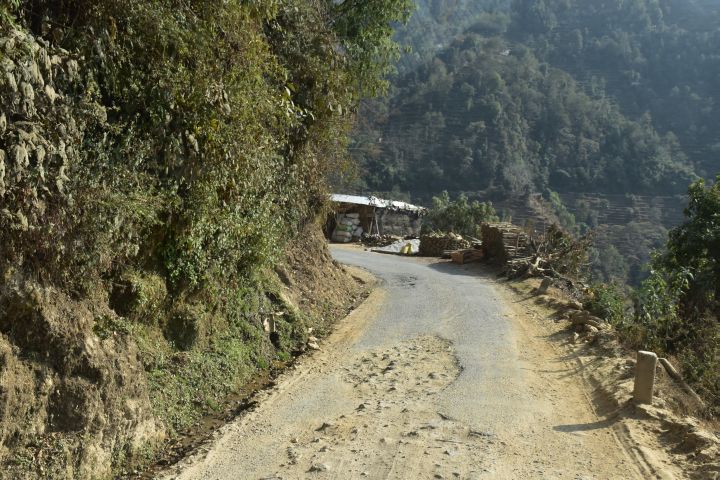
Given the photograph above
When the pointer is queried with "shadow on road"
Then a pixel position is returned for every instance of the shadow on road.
(585, 427)
(469, 270)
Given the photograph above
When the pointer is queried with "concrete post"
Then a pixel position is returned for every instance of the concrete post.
(544, 286)
(645, 377)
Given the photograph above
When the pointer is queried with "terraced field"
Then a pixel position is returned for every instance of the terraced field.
(596, 210)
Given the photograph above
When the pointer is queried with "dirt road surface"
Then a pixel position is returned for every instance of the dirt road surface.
(437, 375)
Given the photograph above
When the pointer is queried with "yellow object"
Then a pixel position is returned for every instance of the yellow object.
(407, 249)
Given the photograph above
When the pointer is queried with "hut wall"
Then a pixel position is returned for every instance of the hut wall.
(399, 223)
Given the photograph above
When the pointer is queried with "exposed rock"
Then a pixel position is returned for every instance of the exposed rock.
(325, 426)
(319, 467)
(70, 389)
(574, 305)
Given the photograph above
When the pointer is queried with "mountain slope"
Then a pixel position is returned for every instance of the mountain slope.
(660, 57)
(487, 114)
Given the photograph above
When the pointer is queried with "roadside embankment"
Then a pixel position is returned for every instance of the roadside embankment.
(666, 437)
(89, 393)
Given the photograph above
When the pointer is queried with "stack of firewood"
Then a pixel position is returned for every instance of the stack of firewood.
(468, 255)
(436, 244)
(376, 240)
(553, 254)
(505, 242)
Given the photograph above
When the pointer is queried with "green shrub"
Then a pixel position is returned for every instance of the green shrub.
(608, 301)
(195, 137)
(458, 216)
(566, 218)
(140, 296)
(678, 306)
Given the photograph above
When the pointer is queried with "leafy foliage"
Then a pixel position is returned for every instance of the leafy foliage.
(678, 306)
(608, 301)
(435, 23)
(191, 137)
(695, 246)
(160, 154)
(655, 57)
(567, 219)
(621, 252)
(458, 216)
(683, 291)
(365, 30)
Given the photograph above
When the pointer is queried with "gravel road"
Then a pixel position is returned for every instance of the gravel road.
(435, 376)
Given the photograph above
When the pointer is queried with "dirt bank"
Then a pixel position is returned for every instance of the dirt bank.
(664, 439)
(86, 392)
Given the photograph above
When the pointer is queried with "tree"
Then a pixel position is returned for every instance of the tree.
(458, 216)
(678, 306)
(365, 29)
(695, 247)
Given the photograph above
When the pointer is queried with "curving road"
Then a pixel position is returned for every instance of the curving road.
(435, 376)
(463, 307)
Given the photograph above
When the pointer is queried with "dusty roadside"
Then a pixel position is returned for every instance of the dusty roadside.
(303, 372)
(664, 439)
(424, 381)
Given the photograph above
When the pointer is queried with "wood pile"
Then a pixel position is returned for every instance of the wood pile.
(435, 244)
(466, 256)
(375, 240)
(555, 254)
(505, 242)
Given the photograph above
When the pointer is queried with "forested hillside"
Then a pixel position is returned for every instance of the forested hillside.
(569, 71)
(435, 23)
(656, 57)
(158, 159)
(617, 100)
(487, 114)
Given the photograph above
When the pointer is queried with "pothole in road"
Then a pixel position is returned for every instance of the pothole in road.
(394, 429)
(423, 366)
(404, 281)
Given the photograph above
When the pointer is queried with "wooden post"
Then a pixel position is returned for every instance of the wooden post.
(645, 377)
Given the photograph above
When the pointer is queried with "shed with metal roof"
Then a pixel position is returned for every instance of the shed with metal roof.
(377, 216)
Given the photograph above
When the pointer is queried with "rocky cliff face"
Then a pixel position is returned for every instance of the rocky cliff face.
(71, 400)
(156, 159)
(75, 396)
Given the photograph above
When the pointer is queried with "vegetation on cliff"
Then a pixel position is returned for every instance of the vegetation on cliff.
(677, 308)
(156, 157)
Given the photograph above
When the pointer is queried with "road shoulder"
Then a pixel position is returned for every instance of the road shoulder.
(663, 441)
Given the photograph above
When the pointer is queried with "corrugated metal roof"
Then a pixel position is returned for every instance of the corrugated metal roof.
(354, 199)
(376, 202)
